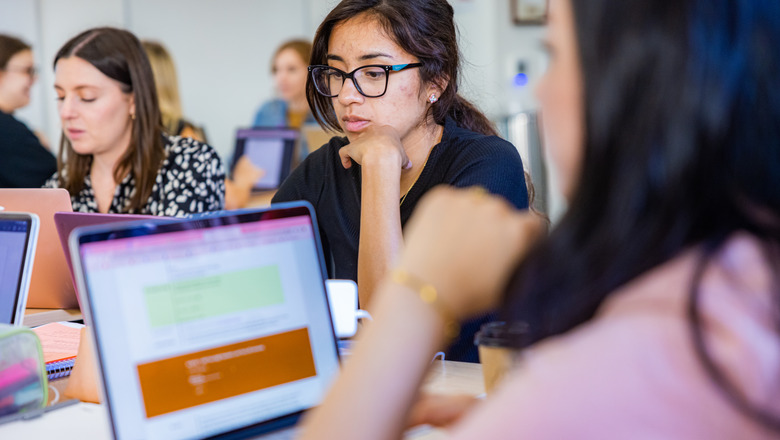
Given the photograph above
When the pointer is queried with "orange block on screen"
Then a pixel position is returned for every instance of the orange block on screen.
(206, 376)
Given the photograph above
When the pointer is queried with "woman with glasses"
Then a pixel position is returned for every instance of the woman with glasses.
(385, 73)
(26, 161)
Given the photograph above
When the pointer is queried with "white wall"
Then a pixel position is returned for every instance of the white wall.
(493, 47)
(223, 58)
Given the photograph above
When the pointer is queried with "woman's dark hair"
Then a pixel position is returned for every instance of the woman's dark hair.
(423, 28)
(118, 54)
(10, 46)
(681, 148)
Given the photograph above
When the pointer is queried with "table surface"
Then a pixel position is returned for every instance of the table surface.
(36, 317)
(86, 420)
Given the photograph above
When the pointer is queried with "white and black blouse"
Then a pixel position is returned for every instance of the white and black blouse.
(191, 180)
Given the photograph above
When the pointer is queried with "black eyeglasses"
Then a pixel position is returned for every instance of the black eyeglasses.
(370, 81)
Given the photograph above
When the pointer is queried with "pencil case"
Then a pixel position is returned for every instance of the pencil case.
(23, 383)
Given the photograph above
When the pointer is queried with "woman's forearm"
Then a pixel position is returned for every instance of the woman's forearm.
(381, 237)
(378, 385)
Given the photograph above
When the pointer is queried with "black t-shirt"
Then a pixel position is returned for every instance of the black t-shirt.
(463, 158)
(24, 162)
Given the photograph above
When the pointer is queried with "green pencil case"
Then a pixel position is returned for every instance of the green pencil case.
(23, 383)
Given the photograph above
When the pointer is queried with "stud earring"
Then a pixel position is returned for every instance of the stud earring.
(132, 116)
(432, 99)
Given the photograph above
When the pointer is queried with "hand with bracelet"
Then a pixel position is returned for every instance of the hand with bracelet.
(463, 244)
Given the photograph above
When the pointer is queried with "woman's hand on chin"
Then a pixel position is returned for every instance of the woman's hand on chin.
(375, 146)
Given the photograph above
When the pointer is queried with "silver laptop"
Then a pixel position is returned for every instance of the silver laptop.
(18, 238)
(213, 327)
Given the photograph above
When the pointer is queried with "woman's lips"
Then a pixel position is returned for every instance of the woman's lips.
(74, 134)
(355, 124)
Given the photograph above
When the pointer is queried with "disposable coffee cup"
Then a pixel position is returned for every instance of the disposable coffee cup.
(499, 345)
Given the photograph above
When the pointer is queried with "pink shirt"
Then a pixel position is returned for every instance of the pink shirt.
(631, 372)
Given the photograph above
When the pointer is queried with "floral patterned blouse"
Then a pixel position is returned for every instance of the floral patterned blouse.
(191, 180)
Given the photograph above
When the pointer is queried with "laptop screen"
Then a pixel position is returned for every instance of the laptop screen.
(268, 149)
(14, 238)
(212, 325)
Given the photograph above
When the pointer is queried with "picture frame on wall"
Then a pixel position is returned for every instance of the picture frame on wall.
(529, 12)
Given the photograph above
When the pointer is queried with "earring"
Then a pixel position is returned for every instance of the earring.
(132, 116)
(432, 99)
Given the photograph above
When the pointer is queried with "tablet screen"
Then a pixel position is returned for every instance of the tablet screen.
(268, 155)
(270, 149)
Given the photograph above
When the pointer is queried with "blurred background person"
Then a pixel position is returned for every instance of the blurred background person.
(114, 156)
(25, 161)
(290, 109)
(167, 84)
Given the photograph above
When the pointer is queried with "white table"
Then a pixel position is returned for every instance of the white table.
(90, 421)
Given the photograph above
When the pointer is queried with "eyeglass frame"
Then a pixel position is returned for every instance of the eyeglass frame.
(32, 72)
(351, 75)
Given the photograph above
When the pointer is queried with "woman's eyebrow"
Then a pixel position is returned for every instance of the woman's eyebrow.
(79, 87)
(368, 56)
(375, 55)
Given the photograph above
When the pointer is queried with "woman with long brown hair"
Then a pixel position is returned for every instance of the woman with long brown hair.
(114, 156)
(385, 73)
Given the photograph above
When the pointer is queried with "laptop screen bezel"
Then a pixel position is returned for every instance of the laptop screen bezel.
(91, 234)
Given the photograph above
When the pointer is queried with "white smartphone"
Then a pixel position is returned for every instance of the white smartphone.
(343, 299)
(18, 239)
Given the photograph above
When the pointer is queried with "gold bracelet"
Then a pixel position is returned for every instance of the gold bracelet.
(429, 295)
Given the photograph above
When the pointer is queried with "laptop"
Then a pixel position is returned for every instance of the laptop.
(18, 237)
(66, 222)
(211, 327)
(51, 286)
(270, 149)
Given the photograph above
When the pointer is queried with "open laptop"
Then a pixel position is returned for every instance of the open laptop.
(217, 326)
(18, 236)
(66, 222)
(51, 286)
(270, 149)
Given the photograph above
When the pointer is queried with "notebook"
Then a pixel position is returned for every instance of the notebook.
(217, 326)
(18, 237)
(270, 149)
(66, 222)
(50, 286)
(60, 344)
